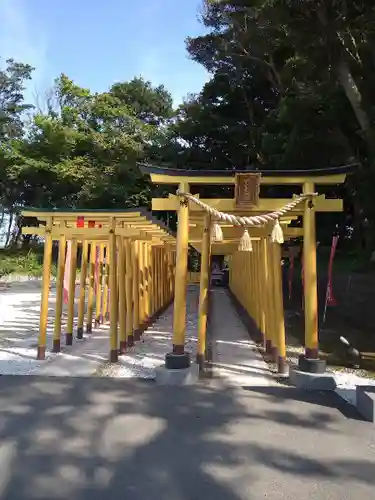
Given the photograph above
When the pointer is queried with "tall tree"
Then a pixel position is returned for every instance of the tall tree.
(13, 77)
(89, 144)
(316, 59)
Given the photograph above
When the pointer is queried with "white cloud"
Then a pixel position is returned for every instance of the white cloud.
(23, 39)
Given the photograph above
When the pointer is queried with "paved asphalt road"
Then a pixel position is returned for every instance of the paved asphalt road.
(102, 439)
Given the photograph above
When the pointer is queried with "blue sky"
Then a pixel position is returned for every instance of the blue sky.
(99, 42)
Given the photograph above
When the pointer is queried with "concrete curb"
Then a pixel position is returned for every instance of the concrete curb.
(186, 376)
(312, 381)
(365, 401)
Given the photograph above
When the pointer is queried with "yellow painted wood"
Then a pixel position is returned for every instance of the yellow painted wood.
(122, 290)
(235, 234)
(82, 286)
(204, 288)
(113, 299)
(194, 277)
(72, 286)
(152, 281)
(264, 286)
(106, 266)
(165, 275)
(141, 252)
(295, 180)
(251, 284)
(47, 257)
(258, 285)
(271, 286)
(90, 297)
(37, 231)
(310, 276)
(254, 290)
(279, 307)
(99, 284)
(162, 275)
(158, 278)
(228, 205)
(179, 315)
(96, 215)
(129, 289)
(171, 274)
(136, 284)
(147, 264)
(218, 249)
(59, 288)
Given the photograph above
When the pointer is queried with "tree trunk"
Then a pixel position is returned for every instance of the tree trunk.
(2, 216)
(16, 233)
(354, 96)
(9, 230)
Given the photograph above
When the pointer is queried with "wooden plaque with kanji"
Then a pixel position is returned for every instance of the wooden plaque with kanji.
(247, 190)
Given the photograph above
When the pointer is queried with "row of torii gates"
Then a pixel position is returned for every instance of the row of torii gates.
(145, 266)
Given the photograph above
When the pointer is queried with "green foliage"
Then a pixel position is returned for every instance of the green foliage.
(291, 82)
(22, 263)
(291, 87)
(81, 151)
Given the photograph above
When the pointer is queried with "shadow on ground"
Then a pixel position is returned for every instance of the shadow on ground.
(96, 439)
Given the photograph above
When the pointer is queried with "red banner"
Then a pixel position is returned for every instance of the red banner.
(330, 299)
(80, 222)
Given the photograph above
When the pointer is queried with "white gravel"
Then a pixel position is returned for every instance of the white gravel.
(19, 325)
(346, 385)
(149, 353)
(346, 380)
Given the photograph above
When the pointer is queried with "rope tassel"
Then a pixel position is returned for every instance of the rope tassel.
(217, 233)
(277, 235)
(245, 242)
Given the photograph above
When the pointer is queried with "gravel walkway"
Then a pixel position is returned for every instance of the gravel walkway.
(236, 358)
(19, 325)
(156, 341)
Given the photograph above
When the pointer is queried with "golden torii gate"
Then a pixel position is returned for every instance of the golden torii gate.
(136, 255)
(255, 277)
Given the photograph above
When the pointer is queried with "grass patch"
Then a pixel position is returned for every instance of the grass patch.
(23, 263)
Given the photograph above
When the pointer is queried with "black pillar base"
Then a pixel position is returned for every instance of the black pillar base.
(123, 347)
(68, 339)
(177, 361)
(309, 365)
(113, 356)
(137, 334)
(268, 346)
(56, 345)
(41, 354)
(88, 328)
(80, 332)
(282, 366)
(200, 361)
(274, 355)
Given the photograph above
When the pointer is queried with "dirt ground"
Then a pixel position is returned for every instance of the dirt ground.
(352, 318)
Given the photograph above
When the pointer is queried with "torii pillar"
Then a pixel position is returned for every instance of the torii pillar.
(178, 358)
